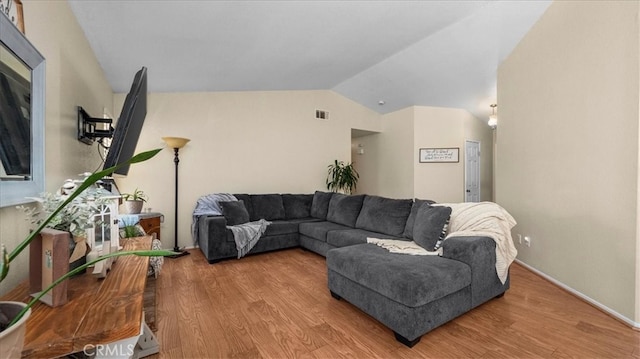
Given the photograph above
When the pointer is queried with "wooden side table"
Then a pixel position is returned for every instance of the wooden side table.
(151, 222)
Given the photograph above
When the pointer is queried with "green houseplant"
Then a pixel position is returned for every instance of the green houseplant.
(342, 177)
(76, 218)
(13, 319)
(133, 202)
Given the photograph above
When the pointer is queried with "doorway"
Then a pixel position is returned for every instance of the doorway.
(472, 171)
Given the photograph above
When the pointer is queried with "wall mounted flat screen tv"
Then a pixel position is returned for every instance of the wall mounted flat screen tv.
(127, 129)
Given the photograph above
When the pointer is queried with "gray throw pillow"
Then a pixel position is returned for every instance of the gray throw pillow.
(234, 212)
(408, 228)
(430, 226)
(247, 202)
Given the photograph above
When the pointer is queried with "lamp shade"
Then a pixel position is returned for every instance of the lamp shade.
(493, 121)
(175, 142)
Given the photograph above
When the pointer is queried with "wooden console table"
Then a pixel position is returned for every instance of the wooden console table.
(99, 311)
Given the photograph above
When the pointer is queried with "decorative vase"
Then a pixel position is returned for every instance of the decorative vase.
(12, 338)
(133, 207)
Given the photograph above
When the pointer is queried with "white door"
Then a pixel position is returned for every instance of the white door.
(472, 171)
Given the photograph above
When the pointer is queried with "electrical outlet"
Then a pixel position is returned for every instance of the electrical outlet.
(519, 238)
(527, 241)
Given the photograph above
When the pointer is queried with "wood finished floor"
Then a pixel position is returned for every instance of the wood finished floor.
(277, 305)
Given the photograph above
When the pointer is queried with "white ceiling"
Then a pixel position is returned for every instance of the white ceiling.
(429, 53)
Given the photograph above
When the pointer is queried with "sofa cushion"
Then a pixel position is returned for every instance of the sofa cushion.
(410, 280)
(384, 215)
(320, 204)
(247, 202)
(430, 226)
(267, 206)
(281, 227)
(408, 229)
(297, 205)
(234, 212)
(344, 209)
(349, 237)
(319, 230)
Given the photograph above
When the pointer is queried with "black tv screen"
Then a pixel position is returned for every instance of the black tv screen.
(127, 129)
(15, 123)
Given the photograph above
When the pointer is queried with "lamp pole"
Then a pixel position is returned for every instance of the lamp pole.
(176, 143)
(176, 160)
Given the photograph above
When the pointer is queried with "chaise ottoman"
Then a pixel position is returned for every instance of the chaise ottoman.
(410, 294)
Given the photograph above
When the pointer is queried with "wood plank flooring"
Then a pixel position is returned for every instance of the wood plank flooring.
(277, 305)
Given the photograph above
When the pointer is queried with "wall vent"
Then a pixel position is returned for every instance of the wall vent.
(322, 115)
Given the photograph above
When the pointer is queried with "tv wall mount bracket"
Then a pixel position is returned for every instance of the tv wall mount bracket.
(92, 128)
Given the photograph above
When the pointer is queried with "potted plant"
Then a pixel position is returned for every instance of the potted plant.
(133, 202)
(13, 315)
(76, 217)
(130, 227)
(342, 177)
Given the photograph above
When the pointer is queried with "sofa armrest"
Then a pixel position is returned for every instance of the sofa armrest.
(479, 253)
(212, 238)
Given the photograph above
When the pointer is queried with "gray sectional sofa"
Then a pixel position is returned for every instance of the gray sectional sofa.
(409, 294)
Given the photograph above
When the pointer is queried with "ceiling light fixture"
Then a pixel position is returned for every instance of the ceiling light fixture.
(493, 118)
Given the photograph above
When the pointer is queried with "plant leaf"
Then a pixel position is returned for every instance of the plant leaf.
(86, 184)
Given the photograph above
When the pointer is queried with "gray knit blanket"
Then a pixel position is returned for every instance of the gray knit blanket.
(208, 205)
(247, 235)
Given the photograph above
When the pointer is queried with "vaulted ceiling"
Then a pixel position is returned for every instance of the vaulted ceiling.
(404, 53)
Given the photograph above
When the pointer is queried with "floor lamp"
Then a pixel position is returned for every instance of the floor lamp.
(176, 143)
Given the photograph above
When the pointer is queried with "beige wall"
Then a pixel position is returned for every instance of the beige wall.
(73, 77)
(568, 147)
(437, 127)
(449, 127)
(390, 165)
(256, 142)
(395, 161)
(367, 163)
(637, 317)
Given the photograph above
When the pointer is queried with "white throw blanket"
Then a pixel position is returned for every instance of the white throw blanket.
(404, 247)
(485, 219)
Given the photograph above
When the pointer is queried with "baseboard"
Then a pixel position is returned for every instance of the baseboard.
(602, 307)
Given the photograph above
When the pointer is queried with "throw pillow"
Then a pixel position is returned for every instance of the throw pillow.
(320, 204)
(430, 225)
(234, 212)
(408, 228)
(247, 202)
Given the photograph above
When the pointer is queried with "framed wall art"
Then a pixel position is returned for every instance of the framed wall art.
(439, 155)
(13, 10)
